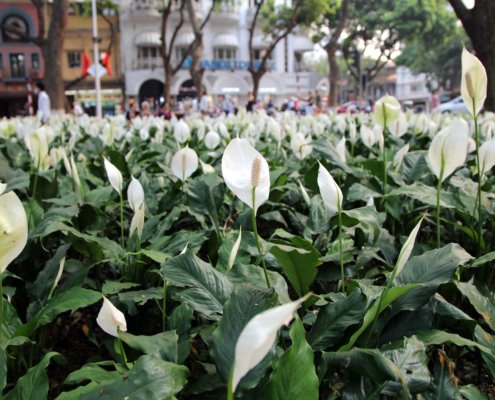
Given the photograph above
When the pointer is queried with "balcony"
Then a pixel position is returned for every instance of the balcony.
(147, 63)
(226, 12)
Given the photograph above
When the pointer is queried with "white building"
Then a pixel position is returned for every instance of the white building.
(413, 89)
(226, 53)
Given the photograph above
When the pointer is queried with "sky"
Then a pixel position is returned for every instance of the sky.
(469, 3)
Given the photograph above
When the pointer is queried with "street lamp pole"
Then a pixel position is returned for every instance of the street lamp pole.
(96, 58)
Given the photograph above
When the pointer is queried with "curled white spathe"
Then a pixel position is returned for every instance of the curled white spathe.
(244, 168)
(258, 337)
(184, 163)
(449, 148)
(487, 155)
(329, 190)
(13, 228)
(182, 133)
(212, 140)
(114, 175)
(135, 194)
(474, 82)
(110, 318)
(386, 110)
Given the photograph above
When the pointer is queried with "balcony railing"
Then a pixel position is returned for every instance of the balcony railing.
(147, 63)
(145, 5)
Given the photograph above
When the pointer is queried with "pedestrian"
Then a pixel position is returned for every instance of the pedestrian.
(251, 102)
(43, 102)
(132, 112)
(146, 109)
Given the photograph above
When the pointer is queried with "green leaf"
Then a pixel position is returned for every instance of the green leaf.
(429, 271)
(413, 362)
(414, 166)
(3, 369)
(298, 264)
(33, 385)
(180, 321)
(111, 287)
(335, 318)
(294, 376)
(206, 289)
(92, 372)
(156, 256)
(370, 363)
(391, 295)
(486, 258)
(471, 392)
(141, 296)
(162, 345)
(484, 305)
(366, 218)
(488, 341)
(425, 194)
(205, 195)
(244, 303)
(149, 379)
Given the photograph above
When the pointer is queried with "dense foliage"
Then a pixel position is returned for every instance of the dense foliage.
(191, 281)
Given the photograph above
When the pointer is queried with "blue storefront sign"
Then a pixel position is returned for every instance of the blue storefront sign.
(227, 64)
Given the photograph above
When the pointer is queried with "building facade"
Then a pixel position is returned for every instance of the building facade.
(413, 90)
(225, 56)
(20, 61)
(78, 40)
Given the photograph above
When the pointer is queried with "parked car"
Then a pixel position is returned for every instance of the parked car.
(351, 107)
(454, 106)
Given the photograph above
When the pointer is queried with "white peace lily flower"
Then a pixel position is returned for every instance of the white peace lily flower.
(233, 252)
(37, 144)
(487, 155)
(114, 175)
(181, 132)
(386, 110)
(13, 227)
(340, 148)
(399, 156)
(273, 129)
(449, 148)
(244, 169)
(407, 249)
(184, 163)
(207, 168)
(135, 194)
(352, 132)
(378, 131)
(368, 136)
(305, 194)
(399, 127)
(74, 174)
(258, 337)
(329, 190)
(110, 318)
(144, 134)
(474, 82)
(222, 129)
(137, 222)
(370, 202)
(212, 140)
(471, 145)
(301, 145)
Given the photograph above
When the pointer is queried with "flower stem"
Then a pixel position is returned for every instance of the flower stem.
(439, 187)
(230, 391)
(122, 352)
(36, 174)
(384, 158)
(1, 308)
(164, 306)
(342, 272)
(256, 236)
(477, 140)
(122, 242)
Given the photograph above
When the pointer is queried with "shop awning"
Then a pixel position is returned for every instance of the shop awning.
(225, 40)
(148, 39)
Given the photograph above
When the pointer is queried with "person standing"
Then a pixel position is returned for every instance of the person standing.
(43, 102)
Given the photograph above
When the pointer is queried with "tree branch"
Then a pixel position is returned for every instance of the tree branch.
(461, 11)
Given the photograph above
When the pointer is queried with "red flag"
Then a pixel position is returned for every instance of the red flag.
(106, 63)
(86, 62)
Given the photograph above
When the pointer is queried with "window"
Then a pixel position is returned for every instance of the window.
(14, 28)
(260, 53)
(224, 53)
(17, 66)
(35, 61)
(148, 52)
(74, 59)
(179, 53)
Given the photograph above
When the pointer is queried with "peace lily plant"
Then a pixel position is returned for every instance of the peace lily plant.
(332, 197)
(257, 339)
(387, 110)
(116, 181)
(447, 152)
(474, 83)
(13, 234)
(246, 173)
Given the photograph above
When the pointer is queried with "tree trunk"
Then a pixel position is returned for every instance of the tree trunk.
(52, 54)
(478, 23)
(195, 68)
(333, 78)
(256, 84)
(167, 86)
(482, 35)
